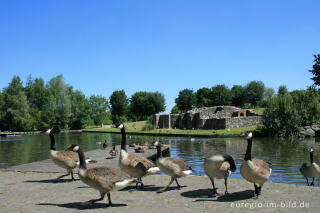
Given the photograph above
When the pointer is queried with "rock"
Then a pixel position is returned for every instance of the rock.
(307, 132)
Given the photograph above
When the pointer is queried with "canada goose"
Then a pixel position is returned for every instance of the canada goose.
(140, 150)
(144, 144)
(135, 165)
(310, 170)
(105, 144)
(104, 179)
(113, 152)
(64, 159)
(220, 167)
(256, 171)
(132, 145)
(173, 167)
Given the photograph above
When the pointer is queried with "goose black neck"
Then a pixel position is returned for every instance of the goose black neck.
(248, 153)
(311, 157)
(124, 141)
(114, 148)
(82, 159)
(52, 141)
(159, 153)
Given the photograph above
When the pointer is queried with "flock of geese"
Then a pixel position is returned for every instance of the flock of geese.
(134, 167)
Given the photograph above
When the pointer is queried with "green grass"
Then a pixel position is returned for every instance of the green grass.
(136, 127)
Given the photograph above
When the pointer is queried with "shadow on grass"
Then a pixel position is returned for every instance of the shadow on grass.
(206, 195)
(82, 205)
(51, 181)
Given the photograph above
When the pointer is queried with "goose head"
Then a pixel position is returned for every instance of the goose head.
(247, 134)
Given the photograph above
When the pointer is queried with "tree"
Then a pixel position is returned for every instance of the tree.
(144, 104)
(59, 104)
(119, 106)
(98, 106)
(281, 117)
(15, 107)
(316, 70)
(186, 100)
(80, 110)
(282, 90)
(37, 97)
(203, 97)
(238, 96)
(175, 110)
(254, 92)
(220, 95)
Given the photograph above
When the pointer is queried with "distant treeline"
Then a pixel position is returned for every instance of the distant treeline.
(40, 105)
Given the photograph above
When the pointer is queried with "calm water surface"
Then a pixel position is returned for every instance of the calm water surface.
(286, 156)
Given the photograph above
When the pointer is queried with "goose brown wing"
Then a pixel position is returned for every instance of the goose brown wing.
(263, 167)
(139, 161)
(180, 163)
(106, 174)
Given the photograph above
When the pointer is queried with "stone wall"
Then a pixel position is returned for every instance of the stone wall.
(219, 117)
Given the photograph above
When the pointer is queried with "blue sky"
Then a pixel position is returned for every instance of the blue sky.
(165, 46)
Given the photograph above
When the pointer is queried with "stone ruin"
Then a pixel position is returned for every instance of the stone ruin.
(218, 117)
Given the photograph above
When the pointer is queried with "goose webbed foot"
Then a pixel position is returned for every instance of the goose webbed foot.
(214, 193)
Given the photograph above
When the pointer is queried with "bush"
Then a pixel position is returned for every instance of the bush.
(286, 113)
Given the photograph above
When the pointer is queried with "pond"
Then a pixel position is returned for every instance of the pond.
(286, 156)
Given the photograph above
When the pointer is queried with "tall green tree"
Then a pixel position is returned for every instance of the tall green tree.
(203, 97)
(175, 110)
(186, 100)
(16, 115)
(221, 95)
(80, 110)
(98, 106)
(282, 90)
(59, 104)
(144, 104)
(316, 70)
(119, 106)
(238, 96)
(254, 92)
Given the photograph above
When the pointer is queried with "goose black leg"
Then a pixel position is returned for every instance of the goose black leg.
(226, 186)
(256, 191)
(109, 199)
(72, 175)
(307, 181)
(165, 188)
(177, 183)
(312, 183)
(214, 189)
(91, 202)
(61, 176)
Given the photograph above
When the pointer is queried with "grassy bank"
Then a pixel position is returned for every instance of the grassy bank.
(136, 128)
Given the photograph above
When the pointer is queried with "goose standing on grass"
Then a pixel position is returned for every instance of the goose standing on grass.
(173, 167)
(255, 170)
(220, 167)
(310, 170)
(134, 165)
(104, 179)
(64, 159)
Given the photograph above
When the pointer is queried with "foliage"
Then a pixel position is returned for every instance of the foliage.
(220, 95)
(14, 106)
(238, 95)
(144, 104)
(316, 70)
(119, 106)
(80, 110)
(175, 110)
(186, 100)
(98, 106)
(203, 97)
(286, 113)
(254, 92)
(282, 90)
